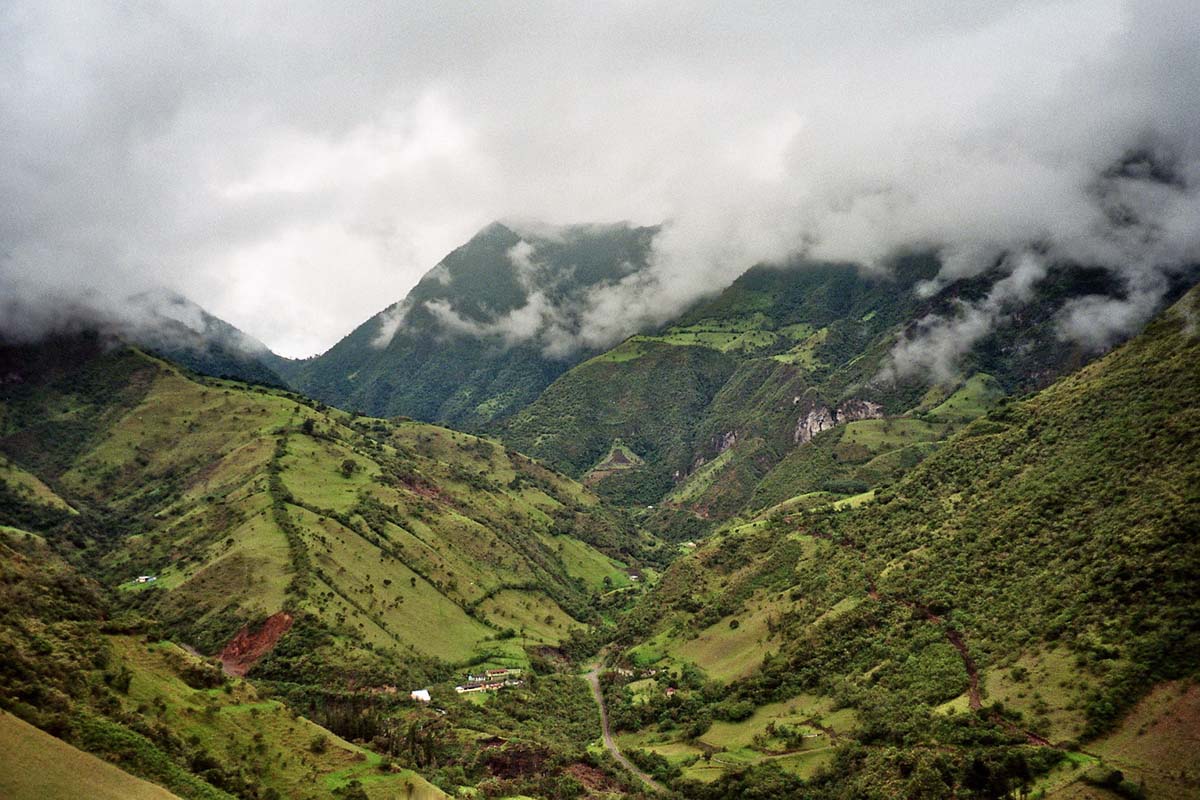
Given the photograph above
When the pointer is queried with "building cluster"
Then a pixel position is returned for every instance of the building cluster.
(490, 681)
(625, 672)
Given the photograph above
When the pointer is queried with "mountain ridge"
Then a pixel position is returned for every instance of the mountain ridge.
(473, 340)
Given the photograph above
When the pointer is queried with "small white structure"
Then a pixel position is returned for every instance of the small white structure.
(420, 695)
(146, 579)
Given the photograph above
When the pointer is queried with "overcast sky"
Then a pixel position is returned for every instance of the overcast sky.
(297, 167)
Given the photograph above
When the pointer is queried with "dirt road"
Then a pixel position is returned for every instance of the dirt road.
(593, 679)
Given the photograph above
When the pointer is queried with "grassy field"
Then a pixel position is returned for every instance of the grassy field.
(973, 399)
(1046, 688)
(804, 354)
(875, 436)
(619, 458)
(629, 350)
(744, 334)
(854, 501)
(731, 746)
(36, 766)
(535, 617)
(589, 564)
(801, 502)
(1156, 743)
(701, 480)
(313, 473)
(726, 653)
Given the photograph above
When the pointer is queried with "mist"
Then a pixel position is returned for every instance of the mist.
(293, 168)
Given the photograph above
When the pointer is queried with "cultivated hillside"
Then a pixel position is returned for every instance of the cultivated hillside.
(412, 540)
(100, 681)
(1017, 611)
(467, 346)
(337, 561)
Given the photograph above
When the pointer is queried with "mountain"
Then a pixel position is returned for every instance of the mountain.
(247, 502)
(879, 583)
(1016, 614)
(781, 387)
(180, 330)
(338, 560)
(482, 333)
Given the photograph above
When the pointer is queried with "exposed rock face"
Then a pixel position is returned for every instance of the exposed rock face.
(246, 648)
(815, 421)
(822, 418)
(726, 441)
(855, 409)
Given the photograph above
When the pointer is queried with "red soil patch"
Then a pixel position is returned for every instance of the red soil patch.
(593, 780)
(246, 648)
(973, 700)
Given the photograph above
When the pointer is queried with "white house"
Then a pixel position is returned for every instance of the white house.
(420, 695)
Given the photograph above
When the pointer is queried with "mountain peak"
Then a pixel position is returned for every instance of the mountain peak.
(493, 230)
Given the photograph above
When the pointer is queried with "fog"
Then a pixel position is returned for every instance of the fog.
(295, 168)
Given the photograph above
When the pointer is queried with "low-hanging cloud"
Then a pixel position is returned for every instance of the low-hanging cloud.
(555, 324)
(939, 342)
(288, 168)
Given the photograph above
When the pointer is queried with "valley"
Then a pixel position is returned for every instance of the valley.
(599, 401)
(737, 560)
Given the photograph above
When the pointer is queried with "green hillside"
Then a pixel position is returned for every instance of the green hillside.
(35, 765)
(1018, 610)
(719, 408)
(644, 395)
(337, 561)
(243, 503)
(106, 685)
(911, 589)
(472, 374)
(711, 402)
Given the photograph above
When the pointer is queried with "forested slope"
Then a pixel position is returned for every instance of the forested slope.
(1006, 603)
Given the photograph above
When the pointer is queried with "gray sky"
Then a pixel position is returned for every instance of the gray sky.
(297, 167)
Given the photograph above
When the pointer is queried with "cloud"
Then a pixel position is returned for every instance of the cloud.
(390, 321)
(938, 342)
(553, 324)
(156, 318)
(289, 166)
(1098, 322)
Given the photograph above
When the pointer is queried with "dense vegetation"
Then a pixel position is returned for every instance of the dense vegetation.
(712, 405)
(1013, 596)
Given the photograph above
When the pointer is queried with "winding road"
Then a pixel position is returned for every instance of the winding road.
(593, 679)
